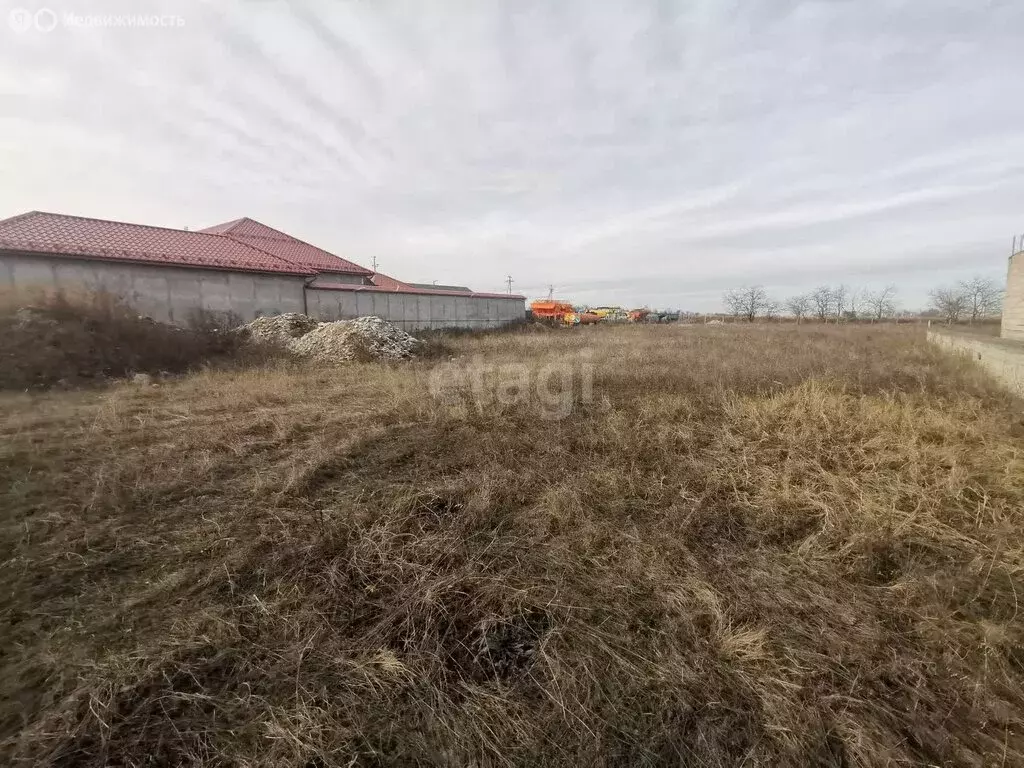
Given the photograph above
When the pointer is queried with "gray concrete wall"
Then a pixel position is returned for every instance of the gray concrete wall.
(1003, 359)
(415, 311)
(168, 294)
(341, 277)
(173, 294)
(1013, 302)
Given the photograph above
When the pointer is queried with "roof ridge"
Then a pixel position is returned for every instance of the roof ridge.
(19, 216)
(108, 221)
(145, 241)
(288, 239)
(308, 269)
(285, 235)
(229, 224)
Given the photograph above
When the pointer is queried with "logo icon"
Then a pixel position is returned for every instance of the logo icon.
(46, 20)
(20, 20)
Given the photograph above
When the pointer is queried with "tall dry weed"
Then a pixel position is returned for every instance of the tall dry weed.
(754, 546)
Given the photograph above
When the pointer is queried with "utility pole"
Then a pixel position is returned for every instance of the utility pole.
(374, 265)
(509, 280)
(551, 292)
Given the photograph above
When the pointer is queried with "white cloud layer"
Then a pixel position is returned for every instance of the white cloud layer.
(634, 152)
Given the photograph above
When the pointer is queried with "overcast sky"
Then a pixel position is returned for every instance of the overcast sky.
(625, 152)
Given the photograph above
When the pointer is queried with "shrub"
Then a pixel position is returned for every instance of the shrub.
(74, 339)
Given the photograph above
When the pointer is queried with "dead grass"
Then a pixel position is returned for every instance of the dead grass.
(754, 546)
(68, 339)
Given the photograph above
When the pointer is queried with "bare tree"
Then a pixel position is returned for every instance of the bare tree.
(857, 297)
(771, 309)
(733, 302)
(747, 302)
(948, 302)
(799, 306)
(882, 303)
(839, 297)
(982, 297)
(821, 298)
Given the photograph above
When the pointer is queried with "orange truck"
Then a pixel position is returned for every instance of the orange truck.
(550, 309)
(561, 312)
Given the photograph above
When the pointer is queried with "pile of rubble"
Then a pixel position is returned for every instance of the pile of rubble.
(362, 339)
(280, 329)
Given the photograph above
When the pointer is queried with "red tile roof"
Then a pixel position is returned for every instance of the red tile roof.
(51, 233)
(386, 284)
(285, 246)
(242, 245)
(390, 284)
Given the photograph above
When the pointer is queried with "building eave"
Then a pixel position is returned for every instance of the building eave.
(120, 257)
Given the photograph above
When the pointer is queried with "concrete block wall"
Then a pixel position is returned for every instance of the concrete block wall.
(1013, 301)
(1003, 359)
(168, 294)
(173, 294)
(415, 311)
(340, 277)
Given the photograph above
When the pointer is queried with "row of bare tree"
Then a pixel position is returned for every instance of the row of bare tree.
(969, 300)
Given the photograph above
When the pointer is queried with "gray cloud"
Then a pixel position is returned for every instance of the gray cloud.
(637, 152)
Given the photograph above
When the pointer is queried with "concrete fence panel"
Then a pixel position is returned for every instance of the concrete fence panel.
(1003, 359)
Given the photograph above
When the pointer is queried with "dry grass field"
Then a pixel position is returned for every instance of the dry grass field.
(757, 546)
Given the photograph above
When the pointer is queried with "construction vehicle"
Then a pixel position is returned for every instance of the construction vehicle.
(582, 317)
(553, 311)
(562, 313)
(609, 314)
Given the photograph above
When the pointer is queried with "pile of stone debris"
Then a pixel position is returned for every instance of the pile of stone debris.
(363, 339)
(280, 329)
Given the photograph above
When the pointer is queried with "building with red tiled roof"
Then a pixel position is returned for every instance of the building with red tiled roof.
(241, 267)
(286, 247)
(57, 234)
